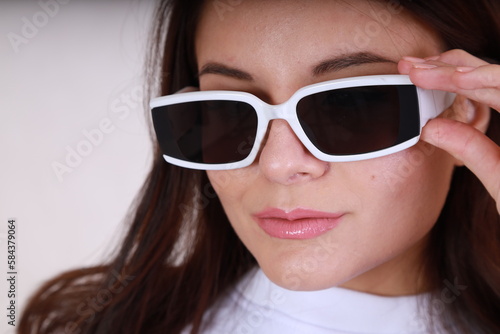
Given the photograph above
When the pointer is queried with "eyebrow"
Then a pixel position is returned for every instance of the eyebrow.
(330, 65)
(348, 60)
(217, 68)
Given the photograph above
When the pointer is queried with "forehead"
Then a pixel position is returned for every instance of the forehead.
(289, 34)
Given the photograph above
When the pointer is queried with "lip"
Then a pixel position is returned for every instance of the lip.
(296, 224)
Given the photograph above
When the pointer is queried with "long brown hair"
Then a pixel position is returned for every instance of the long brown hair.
(180, 254)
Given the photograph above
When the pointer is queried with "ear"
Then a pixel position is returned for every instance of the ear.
(470, 112)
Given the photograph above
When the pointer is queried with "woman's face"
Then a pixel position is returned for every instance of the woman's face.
(312, 224)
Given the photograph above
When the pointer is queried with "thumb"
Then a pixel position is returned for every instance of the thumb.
(469, 145)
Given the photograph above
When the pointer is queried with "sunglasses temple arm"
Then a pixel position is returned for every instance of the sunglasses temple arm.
(433, 103)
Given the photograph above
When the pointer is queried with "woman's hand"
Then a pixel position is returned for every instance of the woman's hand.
(459, 72)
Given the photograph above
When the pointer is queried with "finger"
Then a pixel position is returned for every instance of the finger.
(407, 64)
(430, 76)
(487, 76)
(481, 84)
(458, 58)
(488, 96)
(479, 153)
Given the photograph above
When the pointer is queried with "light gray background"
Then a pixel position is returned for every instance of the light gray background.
(82, 66)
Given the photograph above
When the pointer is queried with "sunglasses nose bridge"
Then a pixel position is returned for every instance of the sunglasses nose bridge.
(278, 111)
(284, 111)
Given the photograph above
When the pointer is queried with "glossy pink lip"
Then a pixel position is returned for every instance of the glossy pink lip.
(296, 224)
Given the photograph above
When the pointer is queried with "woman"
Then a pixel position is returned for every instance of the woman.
(413, 232)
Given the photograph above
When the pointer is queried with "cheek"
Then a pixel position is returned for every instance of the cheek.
(231, 183)
(422, 170)
(236, 190)
(408, 188)
(232, 186)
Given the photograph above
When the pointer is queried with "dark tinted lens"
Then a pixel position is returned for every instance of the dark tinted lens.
(211, 132)
(360, 119)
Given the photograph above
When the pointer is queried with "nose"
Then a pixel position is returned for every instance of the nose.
(285, 160)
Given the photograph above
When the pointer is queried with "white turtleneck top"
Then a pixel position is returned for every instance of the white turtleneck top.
(259, 306)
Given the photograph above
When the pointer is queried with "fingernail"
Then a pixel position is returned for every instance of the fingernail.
(424, 66)
(432, 58)
(465, 69)
(414, 59)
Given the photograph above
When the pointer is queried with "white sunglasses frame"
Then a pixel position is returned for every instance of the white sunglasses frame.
(431, 104)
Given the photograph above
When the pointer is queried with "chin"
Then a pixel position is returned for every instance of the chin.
(304, 275)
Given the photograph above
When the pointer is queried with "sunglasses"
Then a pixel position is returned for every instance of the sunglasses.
(341, 120)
